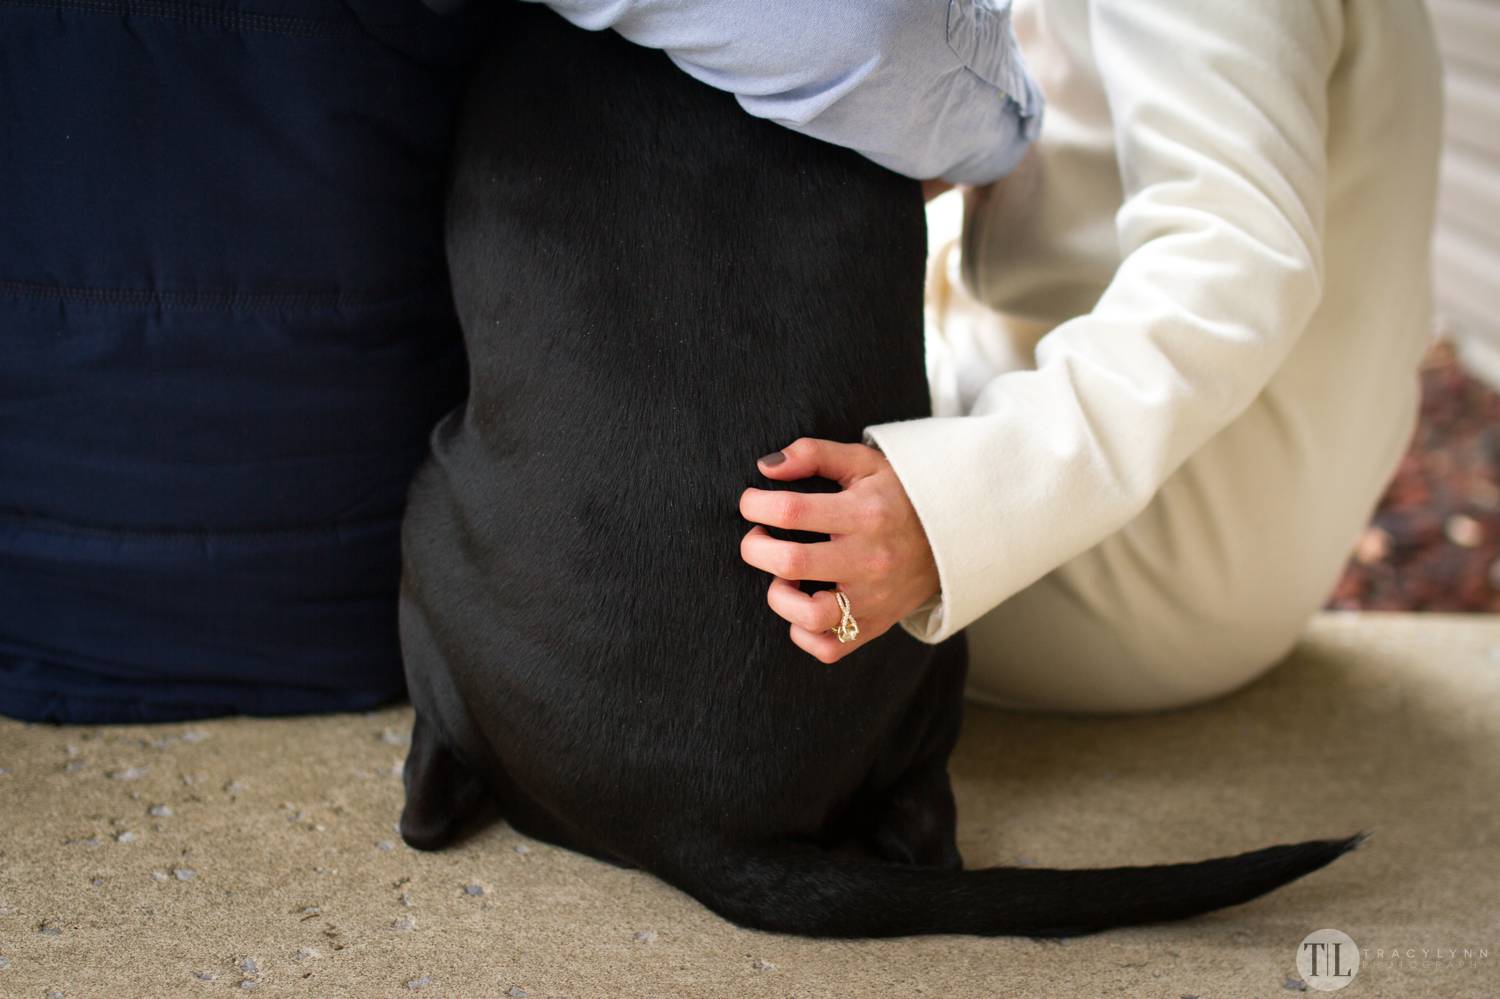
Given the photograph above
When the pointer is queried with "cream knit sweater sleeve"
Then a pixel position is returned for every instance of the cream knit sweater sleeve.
(1218, 111)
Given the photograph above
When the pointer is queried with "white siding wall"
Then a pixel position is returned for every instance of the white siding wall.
(1466, 248)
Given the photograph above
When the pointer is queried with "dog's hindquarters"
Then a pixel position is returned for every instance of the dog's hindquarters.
(656, 289)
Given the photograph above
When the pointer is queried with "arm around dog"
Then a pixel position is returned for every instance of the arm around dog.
(1222, 151)
(927, 88)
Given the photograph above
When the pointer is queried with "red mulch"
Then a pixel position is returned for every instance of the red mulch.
(1434, 542)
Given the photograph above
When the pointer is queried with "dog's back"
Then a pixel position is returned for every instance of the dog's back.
(656, 289)
(637, 338)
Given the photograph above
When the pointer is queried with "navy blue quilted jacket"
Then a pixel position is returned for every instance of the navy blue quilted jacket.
(225, 332)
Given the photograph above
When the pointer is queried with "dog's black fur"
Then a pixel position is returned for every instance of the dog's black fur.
(655, 289)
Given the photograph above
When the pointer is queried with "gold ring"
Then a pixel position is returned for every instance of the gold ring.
(848, 628)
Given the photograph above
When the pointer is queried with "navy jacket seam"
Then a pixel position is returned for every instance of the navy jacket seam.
(175, 10)
(48, 525)
(208, 301)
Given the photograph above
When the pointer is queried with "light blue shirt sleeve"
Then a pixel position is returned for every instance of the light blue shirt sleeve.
(927, 88)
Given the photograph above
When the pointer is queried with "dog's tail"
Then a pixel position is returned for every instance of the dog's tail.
(803, 890)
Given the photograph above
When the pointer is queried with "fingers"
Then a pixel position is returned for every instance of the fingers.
(823, 513)
(818, 560)
(876, 539)
(812, 612)
(806, 456)
(813, 616)
(823, 646)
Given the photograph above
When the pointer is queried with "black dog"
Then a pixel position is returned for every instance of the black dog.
(655, 289)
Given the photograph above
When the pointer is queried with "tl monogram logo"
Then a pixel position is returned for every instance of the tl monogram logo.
(1327, 960)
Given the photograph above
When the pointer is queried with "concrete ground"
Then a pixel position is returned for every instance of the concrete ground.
(261, 855)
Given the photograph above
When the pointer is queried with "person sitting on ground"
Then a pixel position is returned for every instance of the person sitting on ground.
(1174, 362)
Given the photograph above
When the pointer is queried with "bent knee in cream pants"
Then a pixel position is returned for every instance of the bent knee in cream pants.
(1213, 582)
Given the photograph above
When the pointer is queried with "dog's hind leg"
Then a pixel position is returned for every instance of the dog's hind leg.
(917, 822)
(913, 820)
(531, 819)
(440, 791)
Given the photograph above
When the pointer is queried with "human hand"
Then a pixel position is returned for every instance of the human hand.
(877, 553)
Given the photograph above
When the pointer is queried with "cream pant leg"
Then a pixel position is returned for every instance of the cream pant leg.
(1215, 580)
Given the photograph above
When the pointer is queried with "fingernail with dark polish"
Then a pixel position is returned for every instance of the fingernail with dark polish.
(773, 459)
